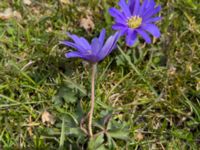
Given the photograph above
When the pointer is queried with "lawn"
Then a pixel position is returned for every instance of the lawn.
(147, 95)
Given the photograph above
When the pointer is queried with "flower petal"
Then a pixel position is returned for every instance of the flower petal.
(144, 35)
(148, 7)
(142, 8)
(136, 7)
(102, 37)
(151, 28)
(131, 37)
(96, 46)
(124, 31)
(79, 41)
(73, 45)
(74, 54)
(150, 4)
(109, 45)
(125, 8)
(151, 12)
(117, 14)
(116, 38)
(150, 20)
(85, 42)
(106, 47)
(131, 4)
(118, 26)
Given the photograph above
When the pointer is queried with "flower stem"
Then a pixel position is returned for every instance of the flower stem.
(92, 99)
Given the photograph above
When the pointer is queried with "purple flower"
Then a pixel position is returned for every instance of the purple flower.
(136, 19)
(94, 52)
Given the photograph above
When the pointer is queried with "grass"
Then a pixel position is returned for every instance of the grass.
(151, 91)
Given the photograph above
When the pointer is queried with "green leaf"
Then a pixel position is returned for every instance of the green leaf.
(106, 14)
(67, 95)
(76, 131)
(111, 143)
(76, 86)
(96, 142)
(183, 134)
(102, 147)
(62, 135)
(119, 134)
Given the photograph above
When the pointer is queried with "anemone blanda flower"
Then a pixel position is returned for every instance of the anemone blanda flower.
(136, 19)
(94, 52)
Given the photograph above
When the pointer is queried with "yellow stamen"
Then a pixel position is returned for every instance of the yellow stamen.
(134, 22)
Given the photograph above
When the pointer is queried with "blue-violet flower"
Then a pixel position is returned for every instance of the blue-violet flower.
(135, 19)
(94, 52)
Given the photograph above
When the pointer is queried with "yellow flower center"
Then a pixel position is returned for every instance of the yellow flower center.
(134, 22)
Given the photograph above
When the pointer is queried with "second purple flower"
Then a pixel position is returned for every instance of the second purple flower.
(136, 19)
